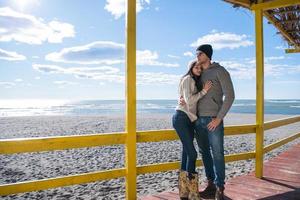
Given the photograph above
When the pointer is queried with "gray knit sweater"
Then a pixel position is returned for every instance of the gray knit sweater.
(212, 104)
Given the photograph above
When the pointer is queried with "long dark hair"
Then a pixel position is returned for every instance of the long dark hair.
(197, 79)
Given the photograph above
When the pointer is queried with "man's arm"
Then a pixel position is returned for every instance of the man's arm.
(228, 91)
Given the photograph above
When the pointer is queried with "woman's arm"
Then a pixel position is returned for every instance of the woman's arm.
(188, 86)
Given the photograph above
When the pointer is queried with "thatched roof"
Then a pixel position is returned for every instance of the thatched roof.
(286, 19)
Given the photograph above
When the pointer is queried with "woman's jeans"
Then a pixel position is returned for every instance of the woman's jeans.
(213, 160)
(185, 130)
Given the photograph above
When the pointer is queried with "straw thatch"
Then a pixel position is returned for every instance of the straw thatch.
(285, 19)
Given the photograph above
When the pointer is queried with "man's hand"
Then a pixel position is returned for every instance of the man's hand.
(213, 124)
(181, 101)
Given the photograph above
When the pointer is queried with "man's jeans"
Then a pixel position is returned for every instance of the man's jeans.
(185, 130)
(211, 147)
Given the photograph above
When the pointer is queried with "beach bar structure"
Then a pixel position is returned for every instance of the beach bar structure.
(284, 14)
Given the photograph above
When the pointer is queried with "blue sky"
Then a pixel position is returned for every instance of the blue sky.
(74, 49)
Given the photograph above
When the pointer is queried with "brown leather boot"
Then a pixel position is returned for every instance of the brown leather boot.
(193, 185)
(182, 185)
(209, 191)
(220, 193)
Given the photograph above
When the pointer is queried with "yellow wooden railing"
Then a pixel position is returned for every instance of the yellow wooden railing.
(11, 146)
(130, 137)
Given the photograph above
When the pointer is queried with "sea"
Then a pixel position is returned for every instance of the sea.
(38, 107)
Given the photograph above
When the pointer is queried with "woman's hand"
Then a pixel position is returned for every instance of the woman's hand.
(181, 101)
(207, 85)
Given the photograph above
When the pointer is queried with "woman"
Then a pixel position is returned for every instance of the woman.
(191, 89)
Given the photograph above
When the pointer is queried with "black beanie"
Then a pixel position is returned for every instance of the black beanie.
(207, 49)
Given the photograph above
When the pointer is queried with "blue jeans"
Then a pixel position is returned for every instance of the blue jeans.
(185, 130)
(211, 147)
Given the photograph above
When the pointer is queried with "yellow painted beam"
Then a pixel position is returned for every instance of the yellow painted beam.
(156, 135)
(281, 122)
(240, 129)
(130, 124)
(168, 134)
(292, 50)
(22, 145)
(259, 93)
(281, 142)
(274, 4)
(239, 156)
(161, 167)
(44, 184)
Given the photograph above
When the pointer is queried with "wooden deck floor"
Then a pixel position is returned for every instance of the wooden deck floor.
(281, 181)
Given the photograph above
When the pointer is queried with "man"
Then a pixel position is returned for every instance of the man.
(209, 125)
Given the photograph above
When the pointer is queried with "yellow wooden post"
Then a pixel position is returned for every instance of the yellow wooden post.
(131, 100)
(259, 93)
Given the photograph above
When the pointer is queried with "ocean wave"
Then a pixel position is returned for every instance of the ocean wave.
(283, 101)
(243, 104)
(294, 106)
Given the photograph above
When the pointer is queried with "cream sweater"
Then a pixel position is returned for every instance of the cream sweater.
(187, 89)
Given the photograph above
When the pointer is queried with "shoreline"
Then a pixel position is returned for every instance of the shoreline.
(41, 165)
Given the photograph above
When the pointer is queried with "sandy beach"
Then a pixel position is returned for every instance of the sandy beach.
(33, 166)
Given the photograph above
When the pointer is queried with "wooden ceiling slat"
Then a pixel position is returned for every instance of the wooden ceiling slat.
(285, 19)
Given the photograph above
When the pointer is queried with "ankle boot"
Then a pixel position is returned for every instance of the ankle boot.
(220, 193)
(209, 191)
(193, 185)
(182, 185)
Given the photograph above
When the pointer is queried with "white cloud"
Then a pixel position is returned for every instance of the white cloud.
(65, 83)
(97, 73)
(11, 55)
(108, 74)
(158, 78)
(275, 69)
(280, 47)
(31, 30)
(239, 69)
(291, 69)
(37, 78)
(52, 69)
(18, 80)
(7, 84)
(148, 57)
(267, 59)
(221, 40)
(99, 52)
(104, 52)
(188, 53)
(173, 56)
(245, 68)
(286, 82)
(118, 7)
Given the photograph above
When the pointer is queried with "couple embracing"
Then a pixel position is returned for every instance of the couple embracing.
(206, 94)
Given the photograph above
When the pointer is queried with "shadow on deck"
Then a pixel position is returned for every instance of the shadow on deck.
(281, 181)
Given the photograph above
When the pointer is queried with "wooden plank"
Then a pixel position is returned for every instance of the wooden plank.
(44, 184)
(22, 145)
(281, 180)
